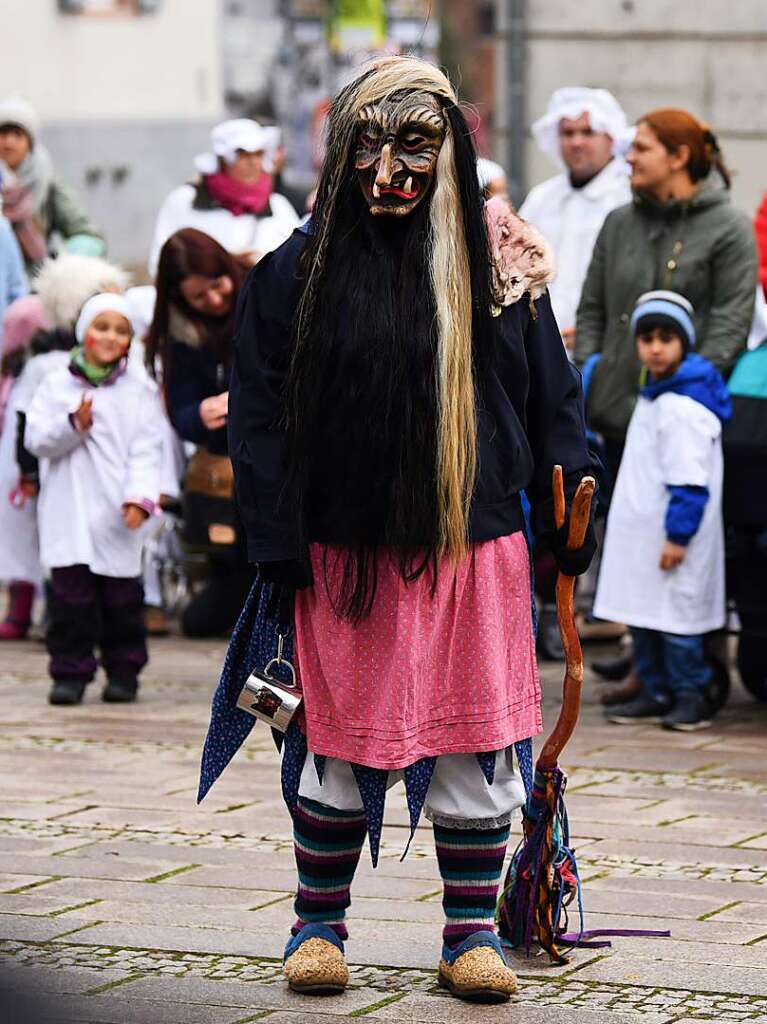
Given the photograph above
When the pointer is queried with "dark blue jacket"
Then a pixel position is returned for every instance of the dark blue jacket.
(530, 418)
(195, 373)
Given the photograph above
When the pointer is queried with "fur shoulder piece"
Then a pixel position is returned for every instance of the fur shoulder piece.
(522, 260)
(65, 283)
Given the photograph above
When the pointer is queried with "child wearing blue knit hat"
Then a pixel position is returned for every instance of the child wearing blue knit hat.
(663, 563)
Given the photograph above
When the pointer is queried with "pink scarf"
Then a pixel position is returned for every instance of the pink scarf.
(240, 197)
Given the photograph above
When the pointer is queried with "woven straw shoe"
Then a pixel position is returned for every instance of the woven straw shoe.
(314, 962)
(477, 970)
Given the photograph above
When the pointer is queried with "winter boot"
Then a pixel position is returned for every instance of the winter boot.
(21, 596)
(643, 708)
(66, 691)
(120, 690)
(691, 712)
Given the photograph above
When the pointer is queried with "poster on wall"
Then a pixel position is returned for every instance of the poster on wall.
(357, 25)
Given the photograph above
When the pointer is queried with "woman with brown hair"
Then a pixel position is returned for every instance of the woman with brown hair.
(189, 347)
(681, 232)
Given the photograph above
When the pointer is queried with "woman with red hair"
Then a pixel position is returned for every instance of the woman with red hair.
(681, 232)
(190, 347)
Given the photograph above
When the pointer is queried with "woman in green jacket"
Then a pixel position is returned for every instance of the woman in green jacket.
(681, 233)
(36, 203)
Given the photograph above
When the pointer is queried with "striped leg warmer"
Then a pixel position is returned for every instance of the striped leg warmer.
(328, 844)
(470, 862)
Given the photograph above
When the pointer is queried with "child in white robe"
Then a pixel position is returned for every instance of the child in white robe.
(663, 564)
(97, 427)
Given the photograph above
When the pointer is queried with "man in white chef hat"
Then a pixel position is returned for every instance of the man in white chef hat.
(585, 133)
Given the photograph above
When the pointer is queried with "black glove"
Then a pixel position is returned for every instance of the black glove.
(576, 562)
(292, 572)
(285, 578)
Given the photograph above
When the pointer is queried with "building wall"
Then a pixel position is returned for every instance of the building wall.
(704, 56)
(121, 67)
(125, 101)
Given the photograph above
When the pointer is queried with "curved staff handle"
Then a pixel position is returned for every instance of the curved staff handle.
(571, 697)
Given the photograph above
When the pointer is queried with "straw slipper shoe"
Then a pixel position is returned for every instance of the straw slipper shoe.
(314, 962)
(477, 970)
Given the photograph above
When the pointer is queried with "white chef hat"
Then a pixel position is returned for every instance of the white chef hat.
(100, 304)
(605, 114)
(239, 133)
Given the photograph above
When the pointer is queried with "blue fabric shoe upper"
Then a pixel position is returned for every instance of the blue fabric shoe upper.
(475, 940)
(312, 931)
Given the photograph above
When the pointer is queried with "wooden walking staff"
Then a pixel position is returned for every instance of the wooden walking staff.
(580, 514)
(543, 876)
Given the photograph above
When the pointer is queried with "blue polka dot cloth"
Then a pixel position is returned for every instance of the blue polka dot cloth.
(252, 644)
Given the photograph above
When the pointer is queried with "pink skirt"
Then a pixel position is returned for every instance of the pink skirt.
(422, 675)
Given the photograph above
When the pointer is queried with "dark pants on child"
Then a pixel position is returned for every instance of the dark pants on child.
(669, 665)
(85, 611)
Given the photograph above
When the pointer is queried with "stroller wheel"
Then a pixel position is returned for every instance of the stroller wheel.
(752, 664)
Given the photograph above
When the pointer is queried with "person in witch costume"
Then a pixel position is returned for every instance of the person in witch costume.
(399, 381)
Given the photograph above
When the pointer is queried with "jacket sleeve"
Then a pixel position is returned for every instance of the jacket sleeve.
(684, 514)
(734, 277)
(49, 432)
(256, 433)
(556, 427)
(67, 217)
(591, 318)
(14, 277)
(142, 482)
(183, 393)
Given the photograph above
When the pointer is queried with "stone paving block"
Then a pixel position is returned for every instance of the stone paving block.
(158, 894)
(113, 1008)
(40, 811)
(746, 913)
(724, 834)
(184, 940)
(441, 1007)
(722, 892)
(633, 970)
(190, 915)
(14, 881)
(648, 905)
(653, 850)
(83, 866)
(34, 903)
(245, 994)
(35, 929)
(73, 980)
(691, 952)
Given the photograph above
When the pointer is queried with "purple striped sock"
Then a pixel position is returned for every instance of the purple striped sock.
(328, 844)
(470, 862)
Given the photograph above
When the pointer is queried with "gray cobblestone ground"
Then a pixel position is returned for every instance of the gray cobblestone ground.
(122, 902)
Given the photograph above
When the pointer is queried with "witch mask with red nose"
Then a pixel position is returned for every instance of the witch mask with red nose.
(398, 143)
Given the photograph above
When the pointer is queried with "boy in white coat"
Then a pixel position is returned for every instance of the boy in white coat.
(97, 426)
(663, 563)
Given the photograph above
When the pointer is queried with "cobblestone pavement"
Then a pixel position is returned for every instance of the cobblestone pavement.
(122, 902)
